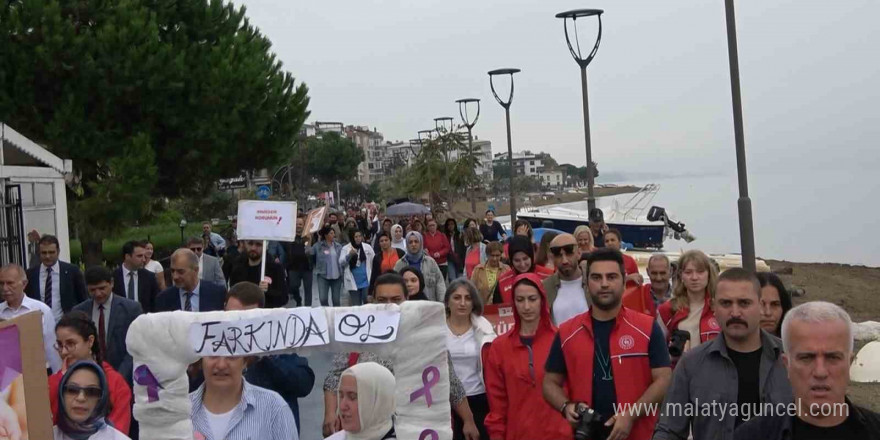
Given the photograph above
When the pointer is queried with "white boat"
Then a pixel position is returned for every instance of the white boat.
(643, 225)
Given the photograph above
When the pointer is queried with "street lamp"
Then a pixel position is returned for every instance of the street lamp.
(466, 121)
(506, 105)
(583, 62)
(443, 125)
(182, 227)
(746, 229)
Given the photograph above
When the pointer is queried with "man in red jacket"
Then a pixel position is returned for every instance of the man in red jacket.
(613, 360)
(437, 245)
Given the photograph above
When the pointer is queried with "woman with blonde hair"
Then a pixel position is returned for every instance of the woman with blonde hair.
(690, 307)
(584, 237)
(475, 250)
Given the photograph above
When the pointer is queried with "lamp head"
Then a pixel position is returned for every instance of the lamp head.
(578, 13)
(505, 71)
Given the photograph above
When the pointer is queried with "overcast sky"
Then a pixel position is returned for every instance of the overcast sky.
(659, 85)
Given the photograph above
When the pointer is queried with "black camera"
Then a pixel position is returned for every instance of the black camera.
(591, 425)
(677, 341)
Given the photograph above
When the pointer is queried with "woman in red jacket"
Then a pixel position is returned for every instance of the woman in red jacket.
(690, 307)
(522, 260)
(514, 371)
(77, 340)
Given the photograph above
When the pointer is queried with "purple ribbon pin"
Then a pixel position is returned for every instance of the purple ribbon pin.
(429, 434)
(144, 377)
(430, 377)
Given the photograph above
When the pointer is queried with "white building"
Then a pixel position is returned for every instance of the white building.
(32, 188)
(552, 179)
(523, 164)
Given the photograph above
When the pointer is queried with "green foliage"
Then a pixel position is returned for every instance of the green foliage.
(579, 174)
(147, 97)
(164, 234)
(332, 157)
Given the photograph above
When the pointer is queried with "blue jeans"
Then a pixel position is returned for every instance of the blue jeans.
(358, 297)
(325, 286)
(452, 272)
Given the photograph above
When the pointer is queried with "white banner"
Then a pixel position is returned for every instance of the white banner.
(366, 326)
(262, 220)
(288, 328)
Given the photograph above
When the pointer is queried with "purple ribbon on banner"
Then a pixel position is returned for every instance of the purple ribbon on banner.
(144, 377)
(429, 434)
(430, 377)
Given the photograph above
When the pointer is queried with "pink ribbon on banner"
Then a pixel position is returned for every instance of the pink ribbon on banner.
(144, 377)
(430, 377)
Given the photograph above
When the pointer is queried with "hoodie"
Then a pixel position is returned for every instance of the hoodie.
(514, 374)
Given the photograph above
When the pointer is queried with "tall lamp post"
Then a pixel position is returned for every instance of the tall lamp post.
(506, 105)
(583, 62)
(469, 124)
(746, 229)
(445, 125)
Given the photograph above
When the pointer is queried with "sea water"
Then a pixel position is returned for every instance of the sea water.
(797, 217)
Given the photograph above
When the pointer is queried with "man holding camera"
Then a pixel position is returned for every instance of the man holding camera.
(723, 382)
(613, 360)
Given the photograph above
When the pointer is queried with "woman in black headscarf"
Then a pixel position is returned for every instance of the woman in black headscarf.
(83, 405)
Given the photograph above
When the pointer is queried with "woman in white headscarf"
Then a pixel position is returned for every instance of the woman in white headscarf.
(397, 240)
(366, 403)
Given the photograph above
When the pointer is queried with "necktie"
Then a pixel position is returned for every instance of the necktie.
(131, 285)
(187, 304)
(102, 337)
(48, 289)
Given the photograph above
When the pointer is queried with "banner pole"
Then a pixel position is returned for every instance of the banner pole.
(263, 261)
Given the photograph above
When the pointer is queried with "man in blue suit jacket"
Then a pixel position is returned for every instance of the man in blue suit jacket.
(118, 314)
(131, 274)
(64, 280)
(189, 293)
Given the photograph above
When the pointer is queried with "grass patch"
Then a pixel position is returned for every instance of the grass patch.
(165, 238)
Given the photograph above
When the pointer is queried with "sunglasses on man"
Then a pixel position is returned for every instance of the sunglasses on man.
(558, 250)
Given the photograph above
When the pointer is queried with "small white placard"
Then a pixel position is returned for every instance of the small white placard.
(286, 328)
(366, 327)
(262, 220)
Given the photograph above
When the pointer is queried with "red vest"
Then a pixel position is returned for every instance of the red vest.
(630, 365)
(640, 299)
(505, 281)
(709, 328)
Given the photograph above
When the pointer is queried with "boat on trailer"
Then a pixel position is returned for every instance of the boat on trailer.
(641, 223)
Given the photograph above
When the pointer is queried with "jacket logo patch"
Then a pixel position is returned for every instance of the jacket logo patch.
(626, 342)
(713, 323)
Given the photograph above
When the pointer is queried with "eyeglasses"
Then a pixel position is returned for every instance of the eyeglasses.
(558, 250)
(71, 390)
(69, 346)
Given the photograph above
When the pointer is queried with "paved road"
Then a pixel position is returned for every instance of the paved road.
(311, 408)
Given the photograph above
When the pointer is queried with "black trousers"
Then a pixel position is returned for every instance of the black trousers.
(480, 408)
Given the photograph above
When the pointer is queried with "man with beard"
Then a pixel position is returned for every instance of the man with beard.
(736, 374)
(565, 288)
(247, 268)
(607, 359)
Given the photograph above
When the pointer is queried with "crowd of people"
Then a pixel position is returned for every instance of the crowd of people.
(595, 351)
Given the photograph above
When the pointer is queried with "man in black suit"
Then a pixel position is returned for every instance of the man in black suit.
(134, 282)
(189, 293)
(58, 284)
(112, 315)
